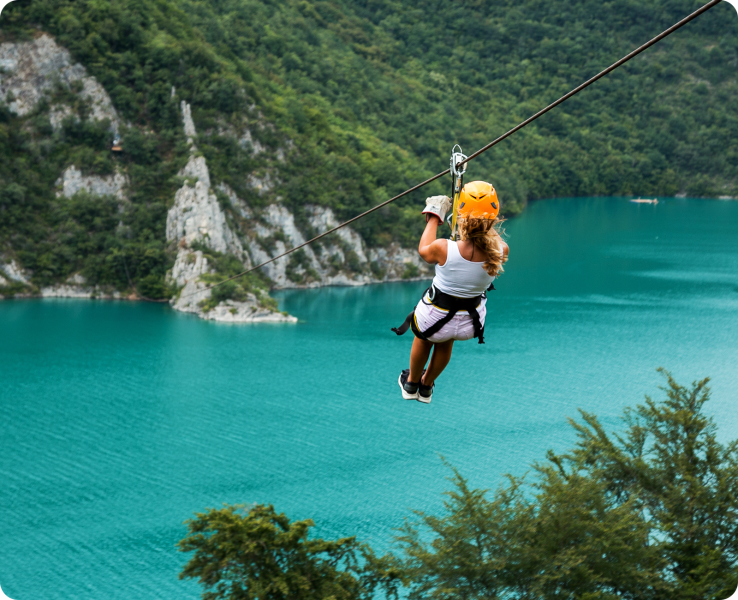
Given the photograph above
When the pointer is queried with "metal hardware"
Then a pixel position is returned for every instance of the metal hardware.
(457, 169)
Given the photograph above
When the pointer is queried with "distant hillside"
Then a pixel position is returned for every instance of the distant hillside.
(336, 105)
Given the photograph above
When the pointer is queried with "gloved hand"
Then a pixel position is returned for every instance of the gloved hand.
(438, 206)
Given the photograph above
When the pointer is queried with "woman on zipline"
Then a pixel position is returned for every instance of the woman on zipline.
(453, 308)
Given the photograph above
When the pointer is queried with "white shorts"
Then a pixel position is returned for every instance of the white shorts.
(461, 327)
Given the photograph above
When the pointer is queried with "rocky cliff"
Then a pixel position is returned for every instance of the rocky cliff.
(211, 232)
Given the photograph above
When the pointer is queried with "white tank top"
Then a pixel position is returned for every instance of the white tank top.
(461, 277)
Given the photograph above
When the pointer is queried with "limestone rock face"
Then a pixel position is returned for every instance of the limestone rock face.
(196, 215)
(189, 125)
(29, 70)
(322, 219)
(72, 181)
(188, 267)
(246, 312)
(396, 261)
(13, 272)
(76, 287)
(247, 140)
(341, 260)
(186, 272)
(243, 209)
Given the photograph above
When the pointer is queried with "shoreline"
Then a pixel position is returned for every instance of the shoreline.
(79, 292)
(228, 312)
(659, 198)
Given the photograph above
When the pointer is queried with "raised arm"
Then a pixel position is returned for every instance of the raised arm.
(431, 250)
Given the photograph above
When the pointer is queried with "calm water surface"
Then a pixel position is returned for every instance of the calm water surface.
(118, 420)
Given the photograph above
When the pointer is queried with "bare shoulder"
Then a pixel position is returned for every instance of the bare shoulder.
(442, 250)
(435, 252)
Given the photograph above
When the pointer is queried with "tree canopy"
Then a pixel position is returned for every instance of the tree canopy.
(351, 101)
(646, 513)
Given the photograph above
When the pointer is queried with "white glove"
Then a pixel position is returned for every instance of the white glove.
(438, 206)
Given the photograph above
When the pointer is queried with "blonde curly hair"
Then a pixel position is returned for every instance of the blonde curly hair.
(486, 236)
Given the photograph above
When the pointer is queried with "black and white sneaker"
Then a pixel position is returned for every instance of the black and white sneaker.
(425, 393)
(409, 390)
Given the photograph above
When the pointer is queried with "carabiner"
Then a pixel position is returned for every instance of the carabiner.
(457, 169)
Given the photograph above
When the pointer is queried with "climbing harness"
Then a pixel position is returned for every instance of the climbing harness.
(477, 199)
(447, 302)
(457, 168)
(458, 165)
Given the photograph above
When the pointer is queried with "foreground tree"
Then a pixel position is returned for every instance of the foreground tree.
(258, 554)
(651, 514)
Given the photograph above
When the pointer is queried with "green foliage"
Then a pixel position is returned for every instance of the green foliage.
(649, 514)
(12, 288)
(259, 554)
(299, 269)
(352, 102)
(411, 270)
(684, 483)
(225, 266)
(111, 243)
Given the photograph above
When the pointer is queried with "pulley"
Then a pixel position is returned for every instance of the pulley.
(458, 168)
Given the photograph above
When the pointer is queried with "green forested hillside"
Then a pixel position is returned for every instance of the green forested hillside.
(363, 99)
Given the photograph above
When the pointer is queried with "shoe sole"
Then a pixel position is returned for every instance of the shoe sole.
(425, 399)
(406, 395)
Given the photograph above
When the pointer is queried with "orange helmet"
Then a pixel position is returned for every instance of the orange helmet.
(478, 199)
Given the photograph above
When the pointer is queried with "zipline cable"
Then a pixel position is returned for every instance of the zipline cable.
(529, 120)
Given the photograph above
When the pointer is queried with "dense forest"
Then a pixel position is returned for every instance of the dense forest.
(350, 102)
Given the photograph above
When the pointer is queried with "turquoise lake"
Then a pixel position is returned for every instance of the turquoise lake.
(118, 420)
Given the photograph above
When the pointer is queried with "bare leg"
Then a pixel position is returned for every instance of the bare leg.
(439, 360)
(418, 357)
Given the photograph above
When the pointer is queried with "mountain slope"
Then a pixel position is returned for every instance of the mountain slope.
(339, 104)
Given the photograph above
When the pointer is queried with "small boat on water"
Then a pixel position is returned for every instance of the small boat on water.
(645, 200)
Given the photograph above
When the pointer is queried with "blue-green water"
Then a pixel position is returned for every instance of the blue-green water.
(118, 420)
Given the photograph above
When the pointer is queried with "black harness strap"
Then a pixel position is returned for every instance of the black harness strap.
(452, 304)
(405, 324)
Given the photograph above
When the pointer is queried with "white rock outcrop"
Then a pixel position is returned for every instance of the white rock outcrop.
(185, 274)
(322, 219)
(72, 181)
(330, 262)
(247, 140)
(261, 185)
(13, 272)
(243, 209)
(29, 71)
(72, 288)
(395, 262)
(188, 123)
(196, 216)
(246, 312)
